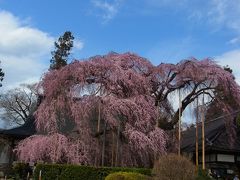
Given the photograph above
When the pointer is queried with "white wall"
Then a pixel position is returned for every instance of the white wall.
(4, 152)
(225, 158)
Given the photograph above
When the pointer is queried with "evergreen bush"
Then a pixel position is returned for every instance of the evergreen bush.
(66, 172)
(126, 176)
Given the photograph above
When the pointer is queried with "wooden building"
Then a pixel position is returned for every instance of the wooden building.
(222, 156)
(8, 140)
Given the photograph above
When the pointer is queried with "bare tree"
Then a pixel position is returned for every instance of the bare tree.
(18, 104)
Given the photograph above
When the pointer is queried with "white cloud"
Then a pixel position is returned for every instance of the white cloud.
(219, 14)
(78, 44)
(107, 10)
(216, 13)
(225, 13)
(171, 50)
(163, 3)
(231, 58)
(20, 40)
(235, 40)
(24, 50)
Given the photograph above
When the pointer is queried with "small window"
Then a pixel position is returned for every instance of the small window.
(212, 157)
(207, 158)
(225, 158)
(238, 158)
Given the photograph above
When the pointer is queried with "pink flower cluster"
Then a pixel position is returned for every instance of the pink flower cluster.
(120, 91)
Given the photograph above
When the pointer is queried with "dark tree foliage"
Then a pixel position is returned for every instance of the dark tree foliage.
(227, 68)
(1, 76)
(214, 111)
(62, 50)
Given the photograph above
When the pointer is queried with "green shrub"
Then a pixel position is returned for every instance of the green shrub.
(21, 170)
(48, 171)
(174, 167)
(82, 172)
(203, 175)
(67, 172)
(126, 176)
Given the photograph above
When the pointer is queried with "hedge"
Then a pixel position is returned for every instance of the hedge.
(126, 176)
(21, 170)
(67, 172)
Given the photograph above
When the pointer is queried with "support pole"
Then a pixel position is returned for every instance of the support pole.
(197, 116)
(40, 175)
(104, 143)
(157, 126)
(203, 135)
(99, 116)
(113, 148)
(97, 160)
(179, 123)
(158, 113)
(117, 145)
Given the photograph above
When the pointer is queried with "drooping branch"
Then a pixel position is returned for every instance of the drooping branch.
(71, 96)
(130, 87)
(202, 77)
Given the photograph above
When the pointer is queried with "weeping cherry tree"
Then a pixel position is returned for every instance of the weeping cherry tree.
(114, 109)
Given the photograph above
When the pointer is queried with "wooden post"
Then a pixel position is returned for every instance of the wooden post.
(97, 160)
(203, 135)
(117, 145)
(99, 116)
(104, 143)
(120, 155)
(40, 175)
(28, 176)
(179, 124)
(197, 135)
(157, 123)
(113, 147)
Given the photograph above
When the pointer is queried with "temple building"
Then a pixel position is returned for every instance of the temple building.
(222, 155)
(8, 140)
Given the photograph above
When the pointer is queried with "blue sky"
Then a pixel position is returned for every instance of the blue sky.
(160, 30)
(142, 26)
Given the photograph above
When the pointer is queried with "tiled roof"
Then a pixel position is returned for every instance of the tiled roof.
(216, 138)
(22, 131)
